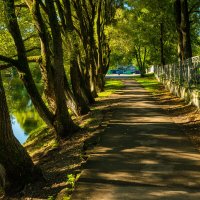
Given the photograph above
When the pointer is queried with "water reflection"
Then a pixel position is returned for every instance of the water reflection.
(24, 122)
(24, 117)
(18, 131)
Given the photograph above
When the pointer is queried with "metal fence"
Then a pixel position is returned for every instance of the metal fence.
(185, 73)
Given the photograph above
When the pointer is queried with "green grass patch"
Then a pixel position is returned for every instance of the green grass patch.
(111, 87)
(150, 83)
(40, 140)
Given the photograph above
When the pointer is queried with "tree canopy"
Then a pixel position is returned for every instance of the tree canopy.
(145, 32)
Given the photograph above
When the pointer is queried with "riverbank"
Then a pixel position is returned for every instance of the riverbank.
(61, 162)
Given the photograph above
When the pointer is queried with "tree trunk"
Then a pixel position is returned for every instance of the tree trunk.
(139, 60)
(100, 53)
(162, 58)
(19, 167)
(62, 122)
(45, 65)
(84, 29)
(23, 67)
(83, 77)
(76, 86)
(93, 66)
(71, 101)
(183, 29)
(93, 54)
(177, 11)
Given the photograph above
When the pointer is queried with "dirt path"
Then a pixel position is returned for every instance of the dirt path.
(142, 155)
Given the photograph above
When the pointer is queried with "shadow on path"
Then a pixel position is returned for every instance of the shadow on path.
(142, 155)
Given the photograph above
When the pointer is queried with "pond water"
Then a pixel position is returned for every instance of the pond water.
(24, 117)
(18, 131)
(24, 122)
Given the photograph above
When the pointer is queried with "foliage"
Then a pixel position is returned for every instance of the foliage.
(137, 32)
(194, 10)
(71, 180)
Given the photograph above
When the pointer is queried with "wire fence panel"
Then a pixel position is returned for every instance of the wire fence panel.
(185, 73)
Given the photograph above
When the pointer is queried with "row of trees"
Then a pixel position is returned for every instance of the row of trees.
(68, 41)
(148, 32)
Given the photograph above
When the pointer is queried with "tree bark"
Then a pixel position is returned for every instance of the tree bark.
(62, 122)
(183, 29)
(71, 101)
(141, 63)
(22, 66)
(162, 57)
(88, 13)
(76, 85)
(75, 74)
(100, 84)
(84, 24)
(45, 65)
(19, 167)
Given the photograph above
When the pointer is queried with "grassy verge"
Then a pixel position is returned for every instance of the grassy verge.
(150, 83)
(110, 88)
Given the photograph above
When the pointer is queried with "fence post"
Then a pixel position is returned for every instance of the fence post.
(185, 72)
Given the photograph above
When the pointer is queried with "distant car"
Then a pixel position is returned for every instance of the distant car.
(112, 71)
(137, 72)
(119, 71)
(128, 72)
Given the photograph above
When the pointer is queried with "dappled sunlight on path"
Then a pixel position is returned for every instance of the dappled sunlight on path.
(142, 155)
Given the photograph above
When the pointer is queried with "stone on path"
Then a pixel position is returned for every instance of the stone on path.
(142, 155)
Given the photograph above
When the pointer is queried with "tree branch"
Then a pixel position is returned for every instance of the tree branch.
(37, 59)
(196, 5)
(43, 6)
(8, 60)
(21, 5)
(5, 66)
(29, 50)
(11, 62)
(32, 49)
(31, 36)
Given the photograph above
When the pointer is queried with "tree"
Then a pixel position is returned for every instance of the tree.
(72, 40)
(194, 15)
(63, 122)
(183, 29)
(91, 18)
(59, 119)
(19, 167)
(22, 63)
(145, 34)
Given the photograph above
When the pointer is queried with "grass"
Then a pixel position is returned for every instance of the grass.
(150, 83)
(40, 140)
(110, 88)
